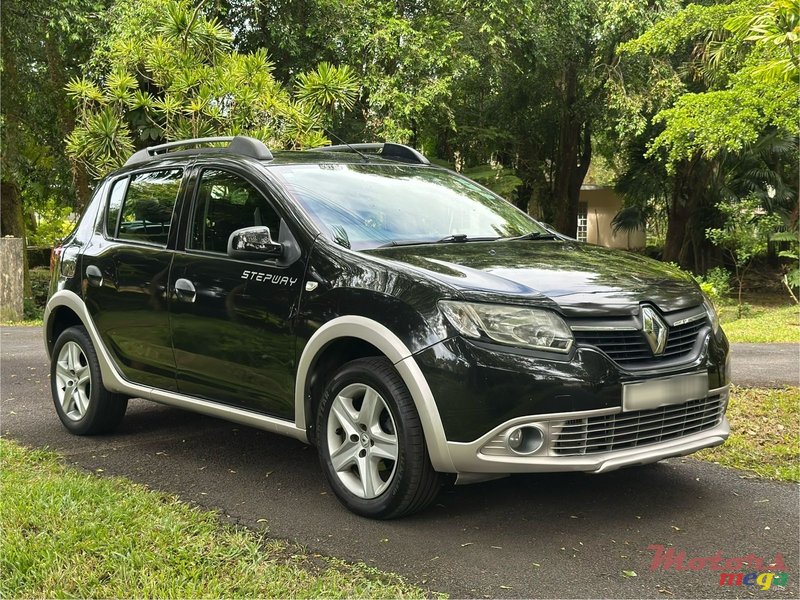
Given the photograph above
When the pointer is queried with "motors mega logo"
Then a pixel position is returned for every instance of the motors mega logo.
(731, 570)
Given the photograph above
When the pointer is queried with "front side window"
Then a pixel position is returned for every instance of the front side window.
(365, 206)
(226, 202)
(148, 206)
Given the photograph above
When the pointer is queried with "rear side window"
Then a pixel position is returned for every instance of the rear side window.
(225, 203)
(146, 211)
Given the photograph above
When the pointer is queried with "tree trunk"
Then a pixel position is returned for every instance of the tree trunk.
(573, 157)
(677, 222)
(57, 72)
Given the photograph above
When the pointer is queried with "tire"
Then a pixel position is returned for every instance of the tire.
(368, 425)
(84, 406)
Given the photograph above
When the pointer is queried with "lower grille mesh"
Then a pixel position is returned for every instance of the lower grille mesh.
(633, 429)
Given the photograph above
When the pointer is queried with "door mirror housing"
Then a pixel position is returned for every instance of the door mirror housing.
(253, 243)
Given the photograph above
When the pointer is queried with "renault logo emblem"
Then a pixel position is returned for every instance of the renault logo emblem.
(655, 330)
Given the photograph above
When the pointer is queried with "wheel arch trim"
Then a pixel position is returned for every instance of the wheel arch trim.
(378, 335)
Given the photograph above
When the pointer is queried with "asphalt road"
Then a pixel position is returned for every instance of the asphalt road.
(554, 535)
(766, 365)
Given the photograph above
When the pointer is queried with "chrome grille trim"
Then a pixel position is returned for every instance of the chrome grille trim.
(627, 347)
(639, 428)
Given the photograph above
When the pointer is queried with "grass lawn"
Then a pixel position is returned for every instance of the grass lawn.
(764, 323)
(765, 433)
(71, 534)
(26, 323)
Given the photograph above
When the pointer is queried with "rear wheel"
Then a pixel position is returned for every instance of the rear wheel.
(84, 406)
(371, 443)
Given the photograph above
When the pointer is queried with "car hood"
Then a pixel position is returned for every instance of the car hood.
(582, 279)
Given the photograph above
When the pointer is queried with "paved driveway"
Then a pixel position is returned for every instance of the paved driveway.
(549, 535)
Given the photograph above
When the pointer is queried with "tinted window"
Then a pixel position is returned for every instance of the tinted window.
(225, 203)
(148, 206)
(114, 204)
(369, 205)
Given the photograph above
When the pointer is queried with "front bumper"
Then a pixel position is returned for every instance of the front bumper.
(488, 455)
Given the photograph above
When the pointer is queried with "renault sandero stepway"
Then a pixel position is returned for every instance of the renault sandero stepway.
(412, 325)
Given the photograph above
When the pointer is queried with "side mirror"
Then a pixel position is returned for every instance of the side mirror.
(253, 243)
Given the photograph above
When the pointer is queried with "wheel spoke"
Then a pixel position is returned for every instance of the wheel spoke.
(62, 372)
(345, 455)
(83, 375)
(67, 399)
(74, 356)
(368, 473)
(81, 401)
(371, 407)
(385, 446)
(342, 414)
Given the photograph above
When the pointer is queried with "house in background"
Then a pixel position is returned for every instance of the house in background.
(598, 205)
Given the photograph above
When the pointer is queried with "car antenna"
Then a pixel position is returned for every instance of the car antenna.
(361, 154)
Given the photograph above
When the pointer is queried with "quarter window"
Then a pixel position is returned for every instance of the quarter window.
(114, 204)
(225, 203)
(149, 203)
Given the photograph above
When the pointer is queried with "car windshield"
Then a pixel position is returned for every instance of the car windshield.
(363, 206)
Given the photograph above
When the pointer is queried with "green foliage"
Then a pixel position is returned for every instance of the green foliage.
(53, 224)
(716, 284)
(791, 276)
(501, 181)
(168, 71)
(750, 70)
(745, 234)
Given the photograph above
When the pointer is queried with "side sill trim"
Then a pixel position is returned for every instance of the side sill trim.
(115, 382)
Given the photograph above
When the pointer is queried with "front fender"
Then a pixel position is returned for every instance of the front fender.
(376, 334)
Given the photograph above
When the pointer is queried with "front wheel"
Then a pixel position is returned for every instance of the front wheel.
(371, 443)
(84, 406)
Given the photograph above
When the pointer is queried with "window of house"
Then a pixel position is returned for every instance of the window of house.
(583, 222)
(226, 202)
(147, 210)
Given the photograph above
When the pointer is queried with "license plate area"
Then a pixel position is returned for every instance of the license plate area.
(664, 391)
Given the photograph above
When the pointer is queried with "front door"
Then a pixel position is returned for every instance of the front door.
(231, 319)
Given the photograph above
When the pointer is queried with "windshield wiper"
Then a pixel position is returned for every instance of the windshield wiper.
(535, 235)
(460, 238)
(456, 238)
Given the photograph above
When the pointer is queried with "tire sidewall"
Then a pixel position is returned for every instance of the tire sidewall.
(387, 502)
(79, 336)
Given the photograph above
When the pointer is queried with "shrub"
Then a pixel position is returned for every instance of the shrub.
(716, 284)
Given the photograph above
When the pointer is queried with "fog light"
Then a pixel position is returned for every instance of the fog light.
(524, 440)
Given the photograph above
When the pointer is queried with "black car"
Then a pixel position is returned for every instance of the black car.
(412, 325)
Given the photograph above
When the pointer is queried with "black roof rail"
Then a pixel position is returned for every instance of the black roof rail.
(387, 150)
(238, 144)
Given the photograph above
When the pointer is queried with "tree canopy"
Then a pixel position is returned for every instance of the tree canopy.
(682, 106)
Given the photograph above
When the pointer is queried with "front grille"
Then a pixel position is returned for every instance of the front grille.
(607, 433)
(631, 347)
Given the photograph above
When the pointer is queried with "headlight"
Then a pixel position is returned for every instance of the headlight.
(712, 314)
(511, 325)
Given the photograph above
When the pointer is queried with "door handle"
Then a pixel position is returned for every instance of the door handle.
(184, 290)
(94, 275)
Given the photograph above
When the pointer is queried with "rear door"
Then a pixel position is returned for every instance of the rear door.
(125, 270)
(231, 319)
